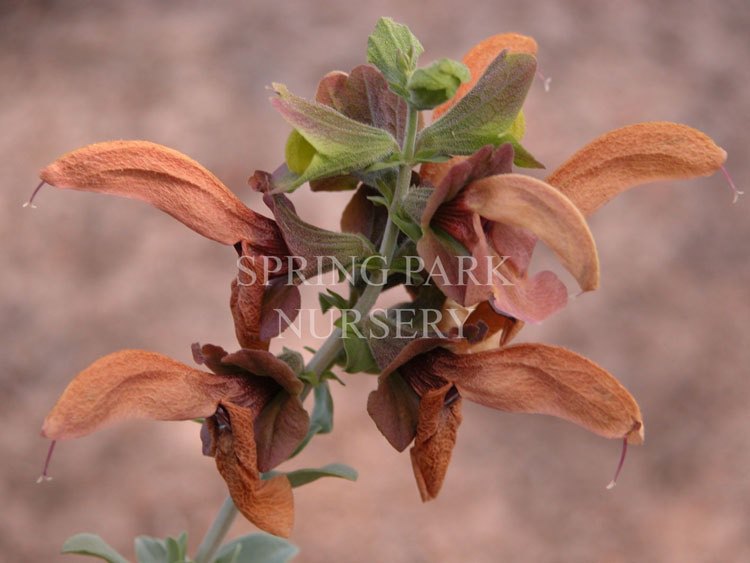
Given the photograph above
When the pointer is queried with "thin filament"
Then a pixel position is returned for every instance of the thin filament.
(545, 80)
(30, 203)
(45, 476)
(737, 193)
(613, 482)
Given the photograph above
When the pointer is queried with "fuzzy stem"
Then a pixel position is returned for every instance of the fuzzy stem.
(326, 354)
(215, 535)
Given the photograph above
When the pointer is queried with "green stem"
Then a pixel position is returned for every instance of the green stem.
(326, 354)
(215, 535)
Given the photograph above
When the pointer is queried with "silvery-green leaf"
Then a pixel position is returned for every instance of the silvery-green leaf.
(257, 548)
(93, 546)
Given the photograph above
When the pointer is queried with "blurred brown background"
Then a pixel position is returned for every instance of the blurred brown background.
(85, 275)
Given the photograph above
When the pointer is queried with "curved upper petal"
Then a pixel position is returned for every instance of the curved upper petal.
(133, 384)
(168, 180)
(534, 378)
(522, 201)
(634, 155)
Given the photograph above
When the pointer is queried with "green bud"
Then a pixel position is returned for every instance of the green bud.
(433, 85)
(394, 50)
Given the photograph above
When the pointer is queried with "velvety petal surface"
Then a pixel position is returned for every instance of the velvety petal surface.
(132, 384)
(267, 504)
(169, 181)
(634, 155)
(522, 201)
(436, 434)
(535, 378)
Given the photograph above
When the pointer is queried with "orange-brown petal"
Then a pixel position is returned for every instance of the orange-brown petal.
(634, 155)
(501, 329)
(267, 504)
(437, 430)
(246, 300)
(169, 181)
(534, 378)
(132, 384)
(522, 201)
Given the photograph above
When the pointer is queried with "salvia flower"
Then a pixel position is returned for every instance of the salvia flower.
(254, 417)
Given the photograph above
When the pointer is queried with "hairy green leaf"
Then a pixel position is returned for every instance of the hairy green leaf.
(485, 115)
(394, 50)
(257, 548)
(340, 145)
(92, 546)
(433, 85)
(304, 476)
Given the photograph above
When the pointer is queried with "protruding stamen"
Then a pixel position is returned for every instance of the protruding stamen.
(45, 476)
(545, 80)
(613, 482)
(737, 193)
(30, 203)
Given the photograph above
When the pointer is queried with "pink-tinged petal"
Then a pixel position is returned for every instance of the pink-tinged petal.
(394, 406)
(634, 155)
(169, 181)
(440, 259)
(530, 299)
(262, 363)
(436, 434)
(534, 378)
(132, 384)
(487, 161)
(525, 202)
(279, 297)
(279, 429)
(267, 504)
(515, 243)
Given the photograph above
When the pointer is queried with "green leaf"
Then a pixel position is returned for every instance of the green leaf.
(175, 552)
(433, 85)
(317, 246)
(93, 546)
(485, 115)
(322, 415)
(293, 359)
(358, 355)
(416, 201)
(151, 550)
(298, 153)
(407, 226)
(155, 550)
(521, 157)
(304, 476)
(257, 548)
(332, 300)
(518, 128)
(394, 50)
(321, 419)
(340, 145)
